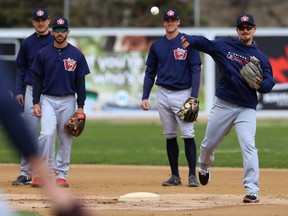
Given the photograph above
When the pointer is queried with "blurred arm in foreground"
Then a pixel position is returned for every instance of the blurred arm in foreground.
(64, 203)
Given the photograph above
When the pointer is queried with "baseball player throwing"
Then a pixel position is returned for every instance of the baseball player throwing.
(235, 102)
(178, 78)
(59, 75)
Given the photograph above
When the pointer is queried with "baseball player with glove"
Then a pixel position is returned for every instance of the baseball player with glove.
(59, 75)
(178, 78)
(244, 71)
(189, 110)
(75, 124)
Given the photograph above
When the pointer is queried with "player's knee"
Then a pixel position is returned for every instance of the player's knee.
(187, 134)
(170, 135)
(207, 148)
(47, 132)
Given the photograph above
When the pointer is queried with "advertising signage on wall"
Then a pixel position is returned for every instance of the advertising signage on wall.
(277, 50)
(116, 58)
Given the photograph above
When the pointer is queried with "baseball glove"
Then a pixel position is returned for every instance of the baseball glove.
(250, 71)
(75, 124)
(189, 110)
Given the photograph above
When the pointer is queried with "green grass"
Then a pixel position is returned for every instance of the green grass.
(142, 143)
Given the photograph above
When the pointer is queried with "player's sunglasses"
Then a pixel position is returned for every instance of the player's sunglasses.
(57, 30)
(242, 28)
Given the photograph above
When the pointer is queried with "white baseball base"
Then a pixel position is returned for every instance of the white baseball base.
(139, 196)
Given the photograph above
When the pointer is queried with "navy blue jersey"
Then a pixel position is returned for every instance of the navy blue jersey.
(59, 70)
(230, 54)
(176, 68)
(29, 47)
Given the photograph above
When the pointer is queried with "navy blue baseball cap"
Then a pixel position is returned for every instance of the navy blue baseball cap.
(60, 23)
(170, 13)
(245, 18)
(40, 13)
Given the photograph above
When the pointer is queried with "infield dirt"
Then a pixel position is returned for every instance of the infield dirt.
(99, 187)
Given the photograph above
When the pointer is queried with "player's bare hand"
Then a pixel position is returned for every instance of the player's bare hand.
(80, 110)
(37, 110)
(20, 99)
(145, 104)
(258, 80)
(194, 104)
(185, 43)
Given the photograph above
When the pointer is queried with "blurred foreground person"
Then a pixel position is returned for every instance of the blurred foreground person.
(63, 202)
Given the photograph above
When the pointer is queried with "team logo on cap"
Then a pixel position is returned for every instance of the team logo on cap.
(180, 54)
(244, 18)
(70, 64)
(40, 13)
(170, 13)
(60, 21)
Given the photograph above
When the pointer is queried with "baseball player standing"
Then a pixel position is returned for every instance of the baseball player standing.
(178, 78)
(235, 102)
(24, 78)
(59, 75)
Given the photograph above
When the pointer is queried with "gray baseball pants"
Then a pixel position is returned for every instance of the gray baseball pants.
(222, 118)
(55, 112)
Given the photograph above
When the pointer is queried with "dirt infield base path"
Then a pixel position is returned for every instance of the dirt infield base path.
(99, 186)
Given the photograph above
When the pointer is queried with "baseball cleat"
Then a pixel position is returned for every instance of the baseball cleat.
(204, 176)
(61, 182)
(22, 180)
(36, 182)
(251, 198)
(192, 181)
(173, 181)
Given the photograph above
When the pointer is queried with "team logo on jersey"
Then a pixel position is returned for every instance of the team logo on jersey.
(180, 54)
(237, 58)
(70, 64)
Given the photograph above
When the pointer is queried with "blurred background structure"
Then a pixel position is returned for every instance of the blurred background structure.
(115, 36)
(136, 13)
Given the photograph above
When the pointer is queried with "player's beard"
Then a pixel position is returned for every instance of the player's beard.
(60, 39)
(246, 39)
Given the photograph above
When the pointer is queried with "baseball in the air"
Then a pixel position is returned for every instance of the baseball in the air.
(154, 10)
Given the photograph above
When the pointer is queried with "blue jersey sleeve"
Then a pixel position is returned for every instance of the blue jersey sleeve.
(22, 65)
(195, 68)
(196, 77)
(268, 81)
(150, 73)
(82, 67)
(203, 44)
(149, 80)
